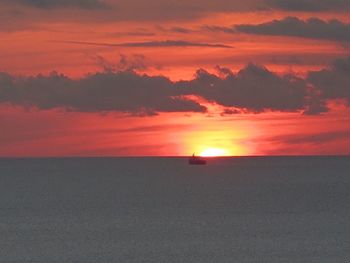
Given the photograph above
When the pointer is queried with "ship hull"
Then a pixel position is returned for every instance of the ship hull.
(196, 161)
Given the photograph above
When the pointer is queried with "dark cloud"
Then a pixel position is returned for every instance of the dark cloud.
(252, 89)
(165, 43)
(315, 105)
(293, 26)
(310, 5)
(101, 92)
(134, 62)
(333, 83)
(230, 112)
(49, 4)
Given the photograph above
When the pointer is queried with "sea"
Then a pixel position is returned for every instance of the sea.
(133, 210)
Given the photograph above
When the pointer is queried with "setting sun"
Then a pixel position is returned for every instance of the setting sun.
(214, 152)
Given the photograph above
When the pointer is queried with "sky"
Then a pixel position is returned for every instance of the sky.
(173, 77)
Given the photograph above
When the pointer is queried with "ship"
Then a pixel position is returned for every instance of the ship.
(196, 160)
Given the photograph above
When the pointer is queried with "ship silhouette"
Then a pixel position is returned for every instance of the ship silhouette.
(196, 160)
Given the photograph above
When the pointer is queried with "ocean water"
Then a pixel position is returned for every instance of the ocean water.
(266, 209)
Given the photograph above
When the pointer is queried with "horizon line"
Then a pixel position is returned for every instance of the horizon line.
(171, 156)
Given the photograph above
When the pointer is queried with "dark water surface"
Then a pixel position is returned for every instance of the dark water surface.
(267, 209)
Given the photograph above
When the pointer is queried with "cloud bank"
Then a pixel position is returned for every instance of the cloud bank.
(333, 83)
(101, 92)
(252, 89)
(310, 5)
(292, 26)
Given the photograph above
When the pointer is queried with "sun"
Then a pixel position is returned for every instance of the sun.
(214, 152)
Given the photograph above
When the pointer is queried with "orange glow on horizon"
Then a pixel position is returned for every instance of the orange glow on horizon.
(215, 152)
(218, 143)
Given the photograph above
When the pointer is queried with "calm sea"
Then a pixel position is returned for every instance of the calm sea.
(258, 209)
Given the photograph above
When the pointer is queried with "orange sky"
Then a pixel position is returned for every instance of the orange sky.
(36, 40)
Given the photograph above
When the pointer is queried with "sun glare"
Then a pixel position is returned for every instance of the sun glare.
(214, 152)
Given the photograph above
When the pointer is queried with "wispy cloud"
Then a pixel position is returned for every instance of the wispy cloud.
(50, 4)
(318, 138)
(224, 29)
(150, 44)
(176, 29)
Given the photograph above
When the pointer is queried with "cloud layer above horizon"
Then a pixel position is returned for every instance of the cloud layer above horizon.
(252, 89)
(310, 5)
(293, 26)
